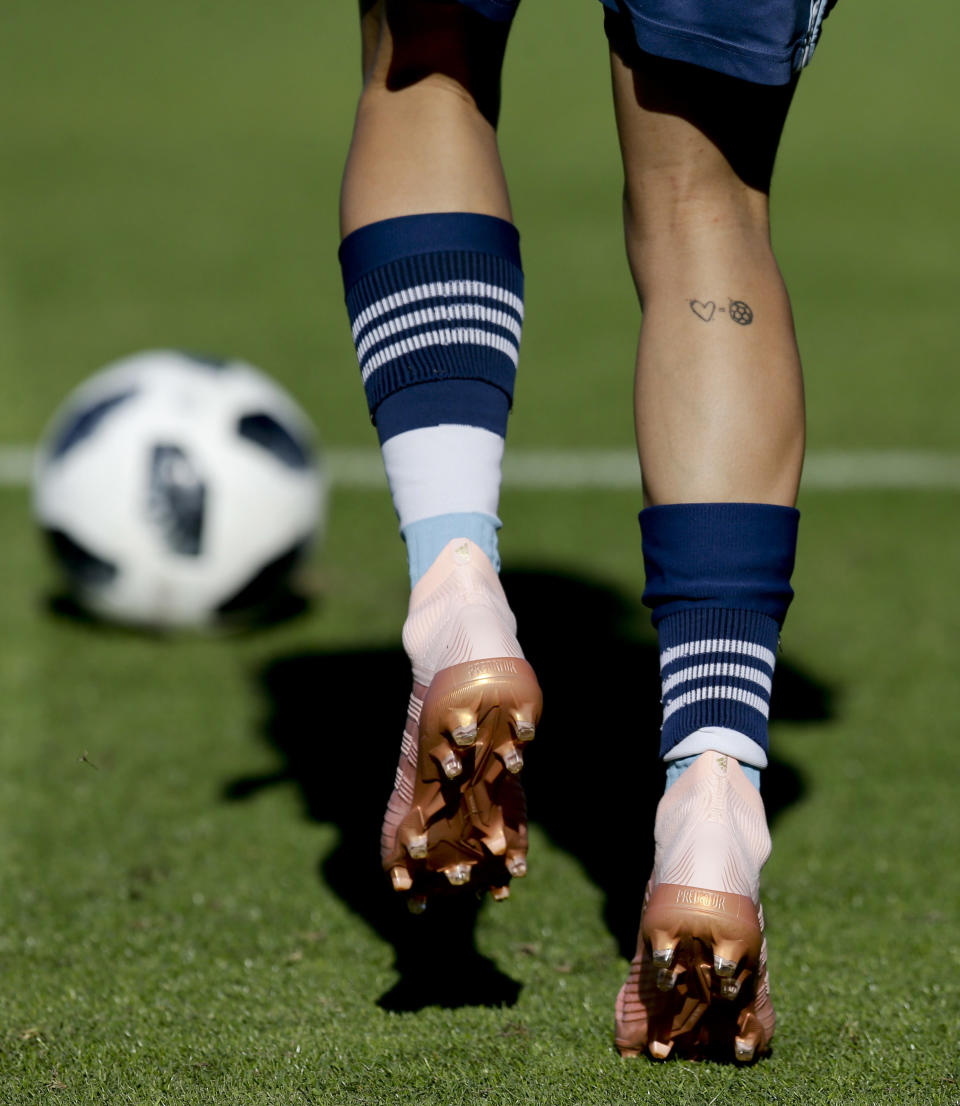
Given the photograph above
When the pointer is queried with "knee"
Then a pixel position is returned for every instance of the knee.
(438, 45)
(680, 220)
(687, 201)
(698, 152)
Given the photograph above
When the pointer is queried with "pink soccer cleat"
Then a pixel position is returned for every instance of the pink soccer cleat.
(457, 816)
(698, 982)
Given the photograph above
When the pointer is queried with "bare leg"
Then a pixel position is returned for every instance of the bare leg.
(424, 139)
(719, 399)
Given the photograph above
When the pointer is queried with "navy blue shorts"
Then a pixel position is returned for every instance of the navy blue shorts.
(765, 41)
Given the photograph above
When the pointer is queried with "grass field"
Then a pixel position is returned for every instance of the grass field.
(191, 909)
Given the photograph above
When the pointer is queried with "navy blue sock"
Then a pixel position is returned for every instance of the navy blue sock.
(718, 583)
(435, 300)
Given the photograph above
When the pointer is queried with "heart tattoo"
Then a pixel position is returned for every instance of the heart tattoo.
(703, 310)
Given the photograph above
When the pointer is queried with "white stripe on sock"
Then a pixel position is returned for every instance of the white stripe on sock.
(447, 337)
(718, 645)
(731, 671)
(721, 691)
(440, 470)
(430, 315)
(478, 289)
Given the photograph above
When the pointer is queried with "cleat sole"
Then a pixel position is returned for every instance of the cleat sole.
(685, 988)
(463, 816)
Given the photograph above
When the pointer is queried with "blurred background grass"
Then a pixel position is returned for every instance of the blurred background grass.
(170, 175)
(190, 902)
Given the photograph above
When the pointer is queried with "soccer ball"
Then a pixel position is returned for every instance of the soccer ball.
(176, 490)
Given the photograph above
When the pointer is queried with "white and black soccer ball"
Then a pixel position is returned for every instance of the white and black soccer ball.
(176, 490)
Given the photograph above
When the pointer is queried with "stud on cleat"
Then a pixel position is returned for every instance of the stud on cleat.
(663, 957)
(496, 841)
(525, 731)
(517, 866)
(660, 1050)
(511, 756)
(417, 846)
(401, 879)
(457, 874)
(743, 1049)
(730, 988)
(498, 894)
(666, 980)
(464, 736)
(451, 766)
(722, 967)
(417, 904)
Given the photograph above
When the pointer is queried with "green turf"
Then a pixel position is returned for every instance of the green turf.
(190, 904)
(191, 907)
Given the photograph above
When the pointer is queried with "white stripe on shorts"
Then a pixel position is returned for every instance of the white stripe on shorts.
(818, 9)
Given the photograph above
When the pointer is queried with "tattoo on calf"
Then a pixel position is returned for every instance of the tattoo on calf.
(738, 311)
(741, 312)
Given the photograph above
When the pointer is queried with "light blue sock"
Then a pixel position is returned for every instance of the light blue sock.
(427, 538)
(676, 768)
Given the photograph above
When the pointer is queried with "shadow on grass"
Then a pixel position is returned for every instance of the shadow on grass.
(592, 781)
(285, 605)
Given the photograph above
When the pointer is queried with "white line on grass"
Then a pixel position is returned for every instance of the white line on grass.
(16, 465)
(572, 469)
